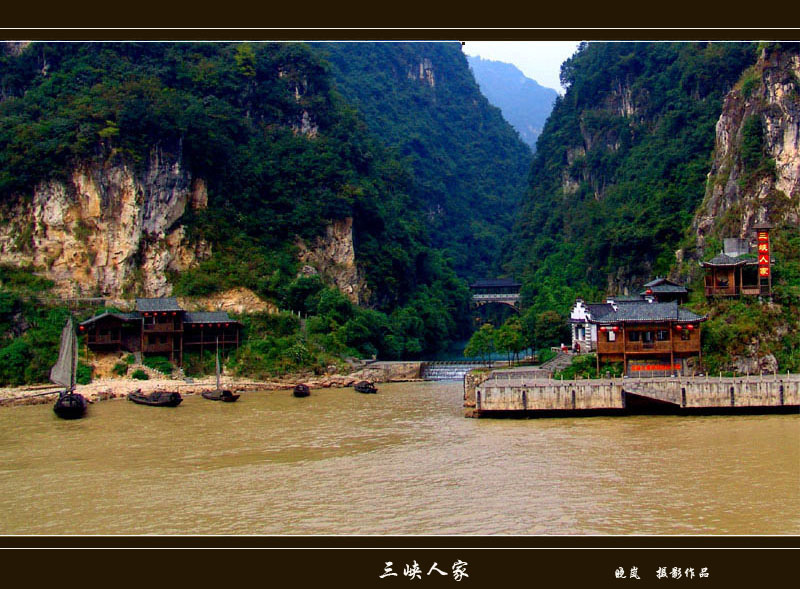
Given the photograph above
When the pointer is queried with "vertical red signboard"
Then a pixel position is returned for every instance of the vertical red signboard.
(763, 254)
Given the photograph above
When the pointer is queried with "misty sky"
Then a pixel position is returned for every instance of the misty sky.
(538, 60)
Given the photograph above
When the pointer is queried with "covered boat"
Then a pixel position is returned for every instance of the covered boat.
(301, 390)
(156, 399)
(220, 395)
(70, 405)
(365, 387)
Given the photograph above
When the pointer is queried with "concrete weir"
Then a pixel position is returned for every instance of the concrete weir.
(510, 396)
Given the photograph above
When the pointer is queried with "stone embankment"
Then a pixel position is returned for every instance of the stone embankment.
(113, 388)
(508, 393)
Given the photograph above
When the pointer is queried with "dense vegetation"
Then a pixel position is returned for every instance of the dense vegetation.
(29, 332)
(469, 165)
(282, 155)
(620, 167)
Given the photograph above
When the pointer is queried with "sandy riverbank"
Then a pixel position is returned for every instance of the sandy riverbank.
(116, 388)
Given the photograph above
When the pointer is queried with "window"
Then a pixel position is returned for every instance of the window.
(686, 335)
(612, 337)
(662, 335)
(634, 336)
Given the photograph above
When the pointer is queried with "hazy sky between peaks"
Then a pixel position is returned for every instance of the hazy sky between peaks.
(538, 60)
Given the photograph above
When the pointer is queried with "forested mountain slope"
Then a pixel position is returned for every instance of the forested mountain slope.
(469, 165)
(153, 169)
(621, 166)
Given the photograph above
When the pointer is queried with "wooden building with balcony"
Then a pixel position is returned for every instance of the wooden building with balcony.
(742, 268)
(649, 338)
(207, 330)
(732, 276)
(159, 326)
(162, 327)
(113, 332)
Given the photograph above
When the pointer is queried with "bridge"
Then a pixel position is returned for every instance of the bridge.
(502, 291)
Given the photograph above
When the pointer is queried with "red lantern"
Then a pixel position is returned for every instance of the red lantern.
(147, 314)
(678, 327)
(690, 327)
(174, 313)
(616, 328)
(81, 328)
(164, 313)
(602, 329)
(226, 325)
(649, 291)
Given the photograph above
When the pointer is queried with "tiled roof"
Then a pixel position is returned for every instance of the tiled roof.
(597, 310)
(207, 317)
(666, 288)
(646, 312)
(498, 282)
(120, 316)
(726, 260)
(159, 304)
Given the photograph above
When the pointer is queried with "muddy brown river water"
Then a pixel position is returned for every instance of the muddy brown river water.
(404, 461)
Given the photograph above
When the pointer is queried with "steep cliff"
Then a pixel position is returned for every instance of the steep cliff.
(754, 177)
(620, 167)
(227, 174)
(469, 164)
(107, 230)
(755, 173)
(333, 256)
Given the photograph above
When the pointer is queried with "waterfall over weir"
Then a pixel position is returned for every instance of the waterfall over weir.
(447, 370)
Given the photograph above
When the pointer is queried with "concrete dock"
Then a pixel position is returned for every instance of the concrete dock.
(510, 394)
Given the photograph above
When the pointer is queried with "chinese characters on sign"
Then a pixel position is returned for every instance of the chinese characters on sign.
(413, 571)
(763, 254)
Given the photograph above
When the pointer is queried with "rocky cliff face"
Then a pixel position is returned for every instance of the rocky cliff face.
(755, 175)
(333, 256)
(108, 230)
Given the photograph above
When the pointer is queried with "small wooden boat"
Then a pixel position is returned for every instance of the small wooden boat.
(365, 387)
(156, 399)
(70, 405)
(301, 390)
(219, 394)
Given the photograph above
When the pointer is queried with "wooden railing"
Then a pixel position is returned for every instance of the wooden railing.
(162, 327)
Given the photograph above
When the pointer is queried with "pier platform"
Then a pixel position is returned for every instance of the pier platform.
(513, 395)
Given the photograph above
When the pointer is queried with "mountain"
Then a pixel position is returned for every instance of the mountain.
(754, 178)
(524, 103)
(655, 154)
(469, 165)
(620, 167)
(194, 169)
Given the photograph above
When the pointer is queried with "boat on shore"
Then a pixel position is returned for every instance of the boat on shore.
(219, 394)
(365, 387)
(69, 405)
(301, 390)
(156, 399)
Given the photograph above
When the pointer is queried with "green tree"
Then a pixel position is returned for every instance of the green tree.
(510, 339)
(481, 343)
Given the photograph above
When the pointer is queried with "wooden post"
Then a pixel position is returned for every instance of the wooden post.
(624, 351)
(671, 348)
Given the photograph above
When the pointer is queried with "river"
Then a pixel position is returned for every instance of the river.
(404, 461)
